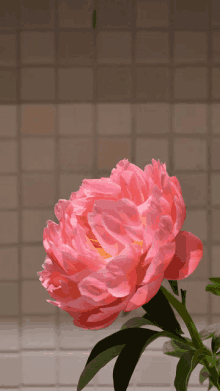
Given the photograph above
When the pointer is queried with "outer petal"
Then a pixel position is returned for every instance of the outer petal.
(189, 252)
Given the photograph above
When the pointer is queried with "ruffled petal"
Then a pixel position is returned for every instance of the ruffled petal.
(189, 252)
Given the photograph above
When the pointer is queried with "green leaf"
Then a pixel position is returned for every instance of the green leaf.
(215, 288)
(215, 343)
(161, 312)
(215, 279)
(103, 352)
(129, 356)
(137, 322)
(183, 295)
(174, 286)
(184, 369)
(176, 349)
(204, 374)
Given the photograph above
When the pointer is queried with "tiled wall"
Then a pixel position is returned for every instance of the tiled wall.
(145, 83)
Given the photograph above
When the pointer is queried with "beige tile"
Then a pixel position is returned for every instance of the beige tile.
(76, 119)
(32, 259)
(34, 222)
(153, 83)
(8, 156)
(196, 296)
(76, 14)
(37, 16)
(70, 183)
(115, 15)
(10, 369)
(190, 118)
(190, 46)
(8, 88)
(215, 83)
(148, 149)
(215, 154)
(76, 84)
(194, 188)
(8, 55)
(37, 47)
(9, 16)
(216, 224)
(194, 149)
(9, 334)
(9, 263)
(38, 190)
(108, 160)
(76, 154)
(114, 47)
(75, 337)
(189, 15)
(196, 222)
(152, 118)
(38, 332)
(190, 83)
(216, 46)
(8, 227)
(39, 367)
(150, 364)
(215, 269)
(9, 192)
(215, 107)
(70, 360)
(215, 302)
(37, 84)
(152, 13)
(114, 84)
(113, 119)
(34, 297)
(38, 154)
(75, 48)
(9, 299)
(37, 119)
(152, 47)
(215, 13)
(215, 186)
(8, 120)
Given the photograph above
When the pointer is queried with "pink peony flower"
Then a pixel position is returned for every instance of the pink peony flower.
(117, 239)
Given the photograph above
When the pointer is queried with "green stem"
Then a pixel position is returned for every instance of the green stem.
(196, 339)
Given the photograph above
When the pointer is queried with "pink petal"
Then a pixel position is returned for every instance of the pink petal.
(189, 252)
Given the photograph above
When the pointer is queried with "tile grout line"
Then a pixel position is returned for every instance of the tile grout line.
(19, 184)
(56, 175)
(209, 206)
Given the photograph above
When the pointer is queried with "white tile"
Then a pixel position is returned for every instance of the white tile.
(194, 149)
(8, 120)
(152, 118)
(9, 263)
(39, 367)
(9, 334)
(71, 365)
(196, 223)
(34, 297)
(34, 222)
(9, 227)
(76, 119)
(74, 337)
(113, 119)
(8, 156)
(38, 332)
(10, 369)
(150, 364)
(9, 191)
(148, 149)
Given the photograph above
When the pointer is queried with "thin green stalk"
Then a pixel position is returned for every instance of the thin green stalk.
(196, 339)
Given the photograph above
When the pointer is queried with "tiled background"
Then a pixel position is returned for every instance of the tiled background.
(145, 83)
